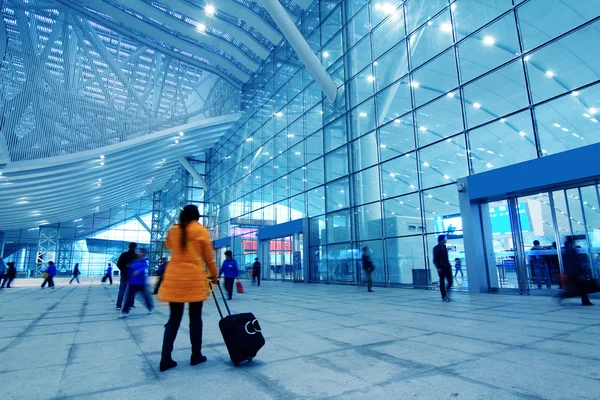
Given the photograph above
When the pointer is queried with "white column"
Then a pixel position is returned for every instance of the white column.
(190, 168)
(301, 47)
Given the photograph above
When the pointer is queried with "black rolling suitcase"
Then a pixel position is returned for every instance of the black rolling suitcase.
(241, 333)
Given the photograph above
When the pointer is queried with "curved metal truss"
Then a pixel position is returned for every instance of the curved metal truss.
(69, 84)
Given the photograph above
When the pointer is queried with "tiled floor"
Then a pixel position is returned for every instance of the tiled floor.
(322, 342)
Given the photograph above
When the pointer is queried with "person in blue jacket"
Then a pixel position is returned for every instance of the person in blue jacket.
(230, 271)
(51, 271)
(138, 271)
(108, 274)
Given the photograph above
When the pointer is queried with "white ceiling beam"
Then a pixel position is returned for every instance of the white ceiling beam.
(235, 9)
(226, 27)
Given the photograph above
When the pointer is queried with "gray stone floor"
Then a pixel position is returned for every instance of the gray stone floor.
(323, 341)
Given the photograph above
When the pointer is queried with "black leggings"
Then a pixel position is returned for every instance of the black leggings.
(172, 326)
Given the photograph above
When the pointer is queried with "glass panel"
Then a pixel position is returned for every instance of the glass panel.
(439, 204)
(317, 265)
(431, 39)
(358, 27)
(501, 143)
(439, 119)
(317, 231)
(314, 146)
(392, 66)
(314, 174)
(336, 164)
(359, 57)
(495, 95)
(434, 79)
(396, 138)
(380, 11)
(488, 48)
(589, 199)
(332, 51)
(543, 20)
(316, 201)
(393, 101)
(421, 11)
(360, 87)
(313, 120)
(366, 186)
(340, 263)
(443, 162)
(565, 64)
(569, 122)
(364, 152)
(368, 220)
(331, 25)
(338, 227)
(403, 256)
(402, 216)
(335, 134)
(399, 176)
(362, 119)
(337, 195)
(389, 33)
(470, 15)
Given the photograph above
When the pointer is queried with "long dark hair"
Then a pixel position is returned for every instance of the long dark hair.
(189, 214)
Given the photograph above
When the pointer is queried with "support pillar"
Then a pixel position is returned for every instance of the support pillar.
(47, 248)
(301, 47)
(156, 235)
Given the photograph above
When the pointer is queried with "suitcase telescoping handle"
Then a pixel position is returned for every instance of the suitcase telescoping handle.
(217, 302)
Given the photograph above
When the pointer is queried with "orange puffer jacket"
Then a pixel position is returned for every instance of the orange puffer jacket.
(185, 279)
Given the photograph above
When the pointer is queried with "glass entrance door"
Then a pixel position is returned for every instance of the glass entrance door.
(525, 238)
(283, 258)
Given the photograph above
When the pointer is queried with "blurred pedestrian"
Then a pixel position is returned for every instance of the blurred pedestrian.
(123, 264)
(186, 281)
(9, 275)
(2, 270)
(138, 271)
(458, 268)
(442, 263)
(160, 272)
(76, 274)
(573, 287)
(369, 267)
(108, 274)
(49, 274)
(230, 271)
(256, 267)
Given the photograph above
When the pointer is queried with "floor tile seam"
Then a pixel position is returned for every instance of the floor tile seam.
(72, 346)
(98, 392)
(33, 323)
(525, 396)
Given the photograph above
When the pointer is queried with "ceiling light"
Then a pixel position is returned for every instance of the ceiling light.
(451, 94)
(502, 120)
(397, 121)
(426, 164)
(523, 134)
(101, 164)
(180, 133)
(176, 141)
(375, 63)
(593, 110)
(209, 9)
(477, 105)
(370, 78)
(102, 157)
(489, 165)
(550, 74)
(279, 114)
(201, 27)
(249, 139)
(446, 27)
(489, 40)
(325, 54)
(446, 177)
(415, 84)
(556, 125)
(363, 114)
(423, 128)
(575, 93)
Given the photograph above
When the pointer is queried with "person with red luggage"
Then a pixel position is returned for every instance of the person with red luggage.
(186, 281)
(230, 271)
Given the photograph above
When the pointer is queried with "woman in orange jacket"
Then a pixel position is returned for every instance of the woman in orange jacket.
(185, 280)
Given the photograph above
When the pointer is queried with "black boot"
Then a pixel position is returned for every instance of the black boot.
(167, 364)
(196, 359)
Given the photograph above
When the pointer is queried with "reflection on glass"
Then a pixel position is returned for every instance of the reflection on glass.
(403, 256)
(439, 119)
(504, 142)
(443, 162)
(436, 78)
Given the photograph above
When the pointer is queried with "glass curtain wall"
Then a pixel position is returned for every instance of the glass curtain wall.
(429, 91)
